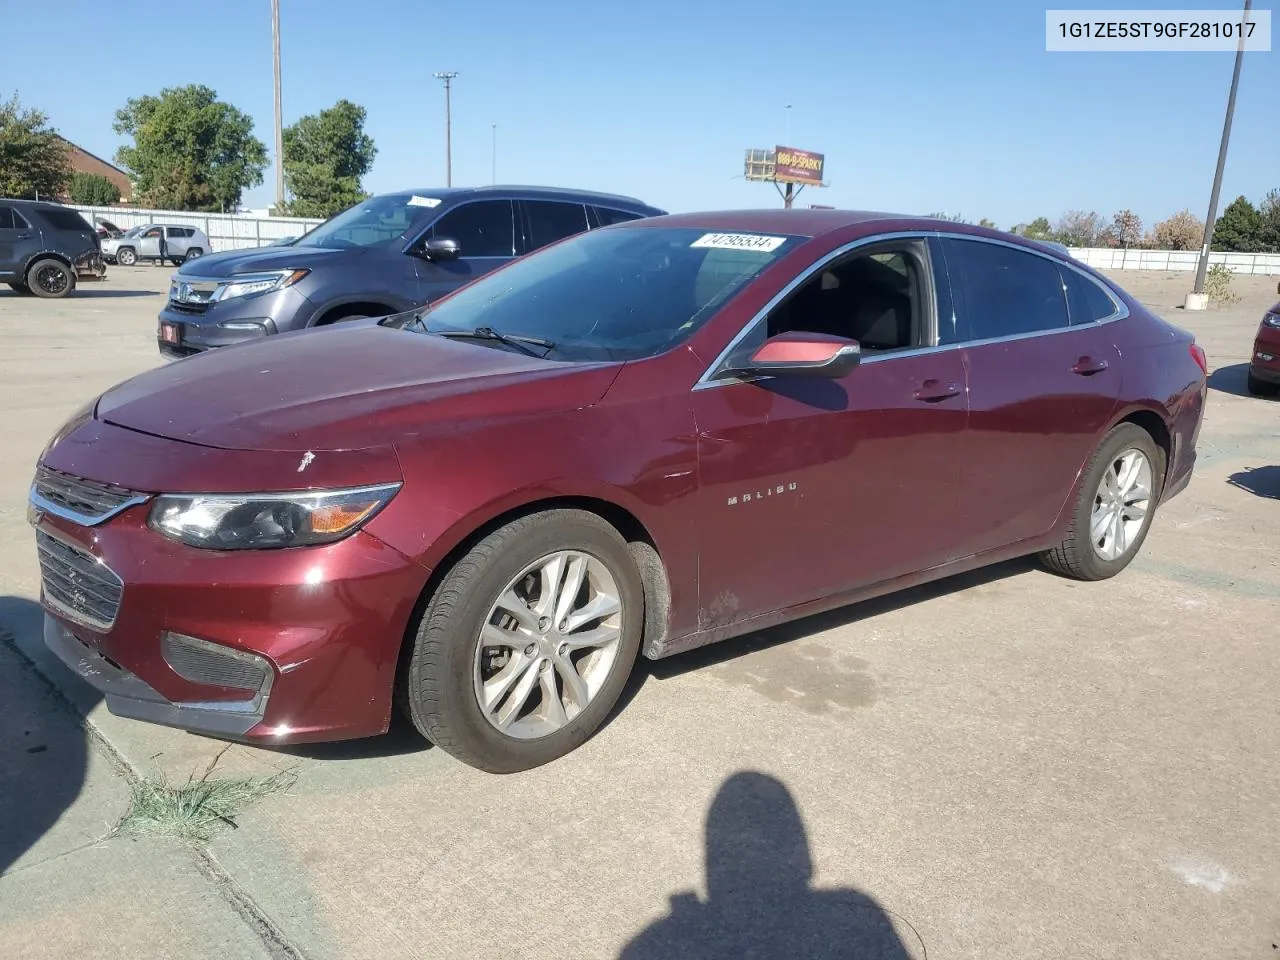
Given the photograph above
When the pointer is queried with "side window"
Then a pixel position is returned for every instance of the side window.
(19, 221)
(875, 298)
(6, 219)
(483, 229)
(550, 221)
(175, 233)
(1007, 292)
(65, 220)
(608, 216)
(153, 232)
(1086, 300)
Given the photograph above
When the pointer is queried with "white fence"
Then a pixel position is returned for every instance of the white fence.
(1252, 264)
(226, 231)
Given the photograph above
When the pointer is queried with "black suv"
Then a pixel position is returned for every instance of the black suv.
(388, 254)
(45, 248)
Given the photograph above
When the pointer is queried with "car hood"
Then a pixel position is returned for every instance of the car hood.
(215, 266)
(345, 388)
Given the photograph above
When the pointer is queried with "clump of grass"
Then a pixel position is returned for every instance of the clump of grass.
(197, 809)
(1217, 284)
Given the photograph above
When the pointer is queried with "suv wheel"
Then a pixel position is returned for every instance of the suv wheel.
(51, 279)
(126, 257)
(193, 253)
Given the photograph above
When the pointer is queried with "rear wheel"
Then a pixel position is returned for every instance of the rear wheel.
(1113, 510)
(192, 254)
(527, 643)
(126, 256)
(1261, 388)
(51, 279)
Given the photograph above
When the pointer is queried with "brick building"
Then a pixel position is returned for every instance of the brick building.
(82, 161)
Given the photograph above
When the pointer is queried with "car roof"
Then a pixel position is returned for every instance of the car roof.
(526, 192)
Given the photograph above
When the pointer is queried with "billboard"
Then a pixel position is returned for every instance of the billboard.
(797, 166)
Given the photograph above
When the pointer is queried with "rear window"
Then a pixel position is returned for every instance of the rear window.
(6, 219)
(65, 220)
(1086, 301)
(608, 216)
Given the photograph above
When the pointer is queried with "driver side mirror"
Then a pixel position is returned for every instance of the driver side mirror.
(441, 248)
(801, 354)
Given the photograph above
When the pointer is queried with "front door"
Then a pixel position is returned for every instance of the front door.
(486, 235)
(1044, 381)
(18, 240)
(813, 487)
(149, 243)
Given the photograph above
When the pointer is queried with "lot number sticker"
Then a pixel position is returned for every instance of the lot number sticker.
(739, 241)
(416, 201)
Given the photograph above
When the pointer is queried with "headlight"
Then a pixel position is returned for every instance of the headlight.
(258, 521)
(258, 283)
(1272, 319)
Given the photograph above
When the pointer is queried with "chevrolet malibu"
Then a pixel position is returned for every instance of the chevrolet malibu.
(642, 439)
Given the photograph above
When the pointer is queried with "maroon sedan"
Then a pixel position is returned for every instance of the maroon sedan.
(641, 440)
(1264, 362)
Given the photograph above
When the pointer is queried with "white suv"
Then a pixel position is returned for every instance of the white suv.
(182, 242)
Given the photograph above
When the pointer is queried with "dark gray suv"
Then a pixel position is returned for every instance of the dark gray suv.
(46, 247)
(389, 254)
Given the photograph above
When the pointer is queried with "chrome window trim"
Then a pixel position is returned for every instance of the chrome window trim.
(76, 616)
(708, 380)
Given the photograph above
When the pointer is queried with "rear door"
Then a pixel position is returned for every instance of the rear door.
(149, 242)
(546, 221)
(486, 235)
(176, 240)
(1044, 379)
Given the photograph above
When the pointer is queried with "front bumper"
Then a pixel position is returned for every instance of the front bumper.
(1264, 361)
(327, 621)
(184, 330)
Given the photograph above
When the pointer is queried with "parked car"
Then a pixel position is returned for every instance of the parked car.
(105, 228)
(1264, 362)
(46, 248)
(182, 243)
(384, 255)
(646, 438)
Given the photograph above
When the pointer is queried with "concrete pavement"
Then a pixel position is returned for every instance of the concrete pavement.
(1004, 764)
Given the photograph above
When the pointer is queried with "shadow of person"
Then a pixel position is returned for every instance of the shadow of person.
(44, 753)
(760, 902)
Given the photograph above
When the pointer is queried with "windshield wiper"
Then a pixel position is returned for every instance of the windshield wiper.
(488, 333)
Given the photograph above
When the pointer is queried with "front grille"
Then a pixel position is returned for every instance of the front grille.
(192, 308)
(85, 501)
(78, 584)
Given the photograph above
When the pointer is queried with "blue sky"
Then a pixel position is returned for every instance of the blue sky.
(918, 106)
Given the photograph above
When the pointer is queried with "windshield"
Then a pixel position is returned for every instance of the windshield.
(376, 220)
(618, 294)
(132, 232)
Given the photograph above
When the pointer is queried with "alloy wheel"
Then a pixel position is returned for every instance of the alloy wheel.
(1121, 504)
(51, 279)
(548, 645)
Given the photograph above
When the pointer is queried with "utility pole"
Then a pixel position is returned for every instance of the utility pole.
(447, 77)
(275, 41)
(1196, 300)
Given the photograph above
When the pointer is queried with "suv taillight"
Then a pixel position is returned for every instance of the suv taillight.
(1197, 354)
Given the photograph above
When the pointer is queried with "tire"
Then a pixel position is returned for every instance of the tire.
(1077, 555)
(126, 256)
(20, 288)
(51, 279)
(192, 254)
(1261, 388)
(441, 676)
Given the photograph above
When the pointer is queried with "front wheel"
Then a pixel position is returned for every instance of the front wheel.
(527, 643)
(51, 279)
(1118, 494)
(126, 256)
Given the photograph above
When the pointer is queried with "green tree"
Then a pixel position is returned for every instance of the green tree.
(1239, 228)
(325, 155)
(33, 158)
(191, 151)
(93, 190)
(1038, 229)
(1269, 226)
(984, 222)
